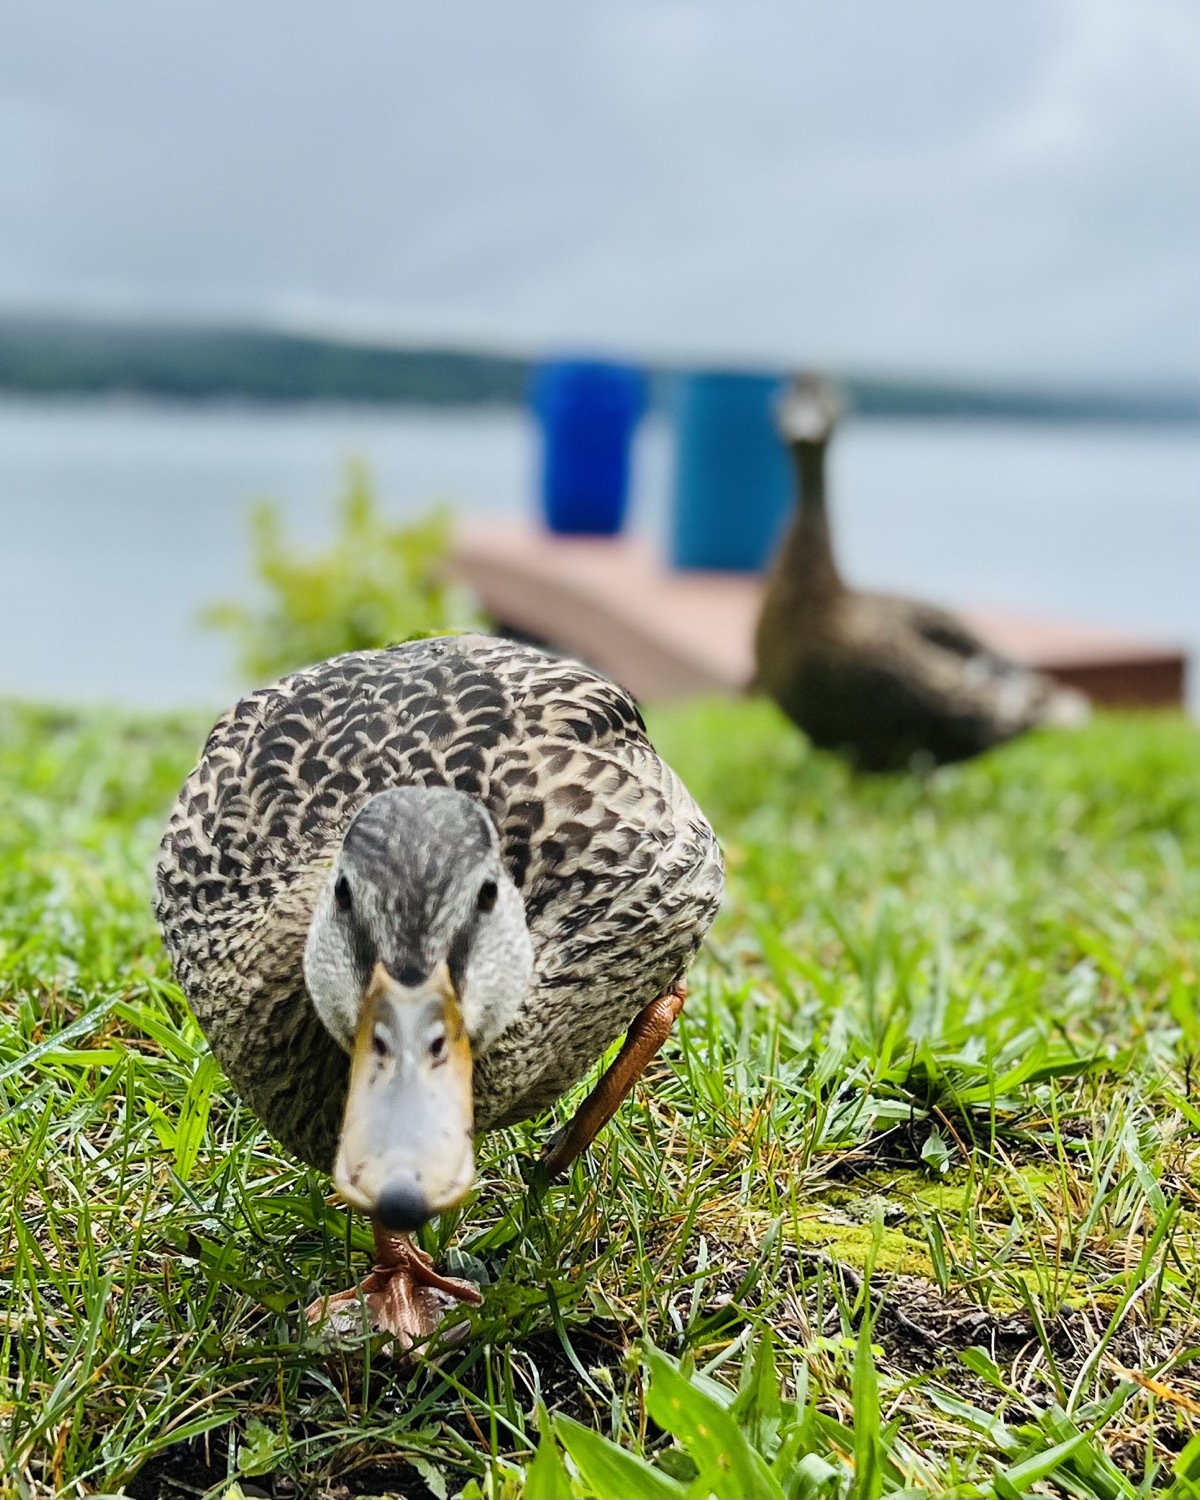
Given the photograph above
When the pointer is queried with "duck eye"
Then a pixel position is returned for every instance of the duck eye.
(487, 895)
(341, 893)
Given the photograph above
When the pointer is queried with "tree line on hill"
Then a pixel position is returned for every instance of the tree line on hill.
(59, 356)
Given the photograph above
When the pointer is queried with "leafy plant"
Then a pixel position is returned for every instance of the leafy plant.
(727, 1444)
(757, 1442)
(378, 583)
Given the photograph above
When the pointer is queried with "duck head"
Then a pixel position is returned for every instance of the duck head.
(808, 410)
(418, 955)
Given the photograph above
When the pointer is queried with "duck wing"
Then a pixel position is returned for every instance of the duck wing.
(941, 628)
(927, 684)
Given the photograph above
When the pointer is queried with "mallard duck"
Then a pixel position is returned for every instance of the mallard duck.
(883, 680)
(414, 894)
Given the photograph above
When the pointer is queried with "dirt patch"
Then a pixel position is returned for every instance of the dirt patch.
(192, 1468)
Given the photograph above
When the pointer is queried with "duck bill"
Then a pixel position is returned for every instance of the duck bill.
(406, 1151)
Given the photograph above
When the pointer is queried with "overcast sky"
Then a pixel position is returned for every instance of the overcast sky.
(1007, 189)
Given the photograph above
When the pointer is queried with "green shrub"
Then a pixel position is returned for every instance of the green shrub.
(376, 584)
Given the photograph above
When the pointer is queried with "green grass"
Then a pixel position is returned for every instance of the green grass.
(928, 1119)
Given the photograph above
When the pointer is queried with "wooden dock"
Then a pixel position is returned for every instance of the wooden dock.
(666, 634)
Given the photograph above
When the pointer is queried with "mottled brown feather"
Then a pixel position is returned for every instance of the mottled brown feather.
(620, 872)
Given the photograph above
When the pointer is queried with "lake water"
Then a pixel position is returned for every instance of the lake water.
(119, 521)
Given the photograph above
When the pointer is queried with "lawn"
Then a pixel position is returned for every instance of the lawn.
(919, 1172)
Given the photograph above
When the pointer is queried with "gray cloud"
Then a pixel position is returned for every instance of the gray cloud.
(1005, 190)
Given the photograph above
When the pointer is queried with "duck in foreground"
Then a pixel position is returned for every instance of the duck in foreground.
(413, 894)
(883, 680)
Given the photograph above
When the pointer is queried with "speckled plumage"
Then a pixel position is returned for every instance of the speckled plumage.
(619, 870)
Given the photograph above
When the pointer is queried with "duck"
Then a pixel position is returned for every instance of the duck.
(414, 894)
(889, 683)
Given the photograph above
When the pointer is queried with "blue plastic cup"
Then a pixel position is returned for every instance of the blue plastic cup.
(588, 410)
(733, 483)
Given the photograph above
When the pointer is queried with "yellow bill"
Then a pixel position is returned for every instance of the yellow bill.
(406, 1151)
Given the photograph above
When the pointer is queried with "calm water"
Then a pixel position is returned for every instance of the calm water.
(118, 522)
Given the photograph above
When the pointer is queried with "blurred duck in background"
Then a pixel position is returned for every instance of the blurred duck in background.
(884, 681)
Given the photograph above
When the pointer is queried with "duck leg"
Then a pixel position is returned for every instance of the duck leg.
(645, 1036)
(403, 1293)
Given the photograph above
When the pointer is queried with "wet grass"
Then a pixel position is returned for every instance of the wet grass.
(929, 1118)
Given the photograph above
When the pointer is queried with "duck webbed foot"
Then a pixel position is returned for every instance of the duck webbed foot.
(648, 1031)
(402, 1293)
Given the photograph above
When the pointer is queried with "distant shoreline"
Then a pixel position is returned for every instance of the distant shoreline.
(42, 356)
